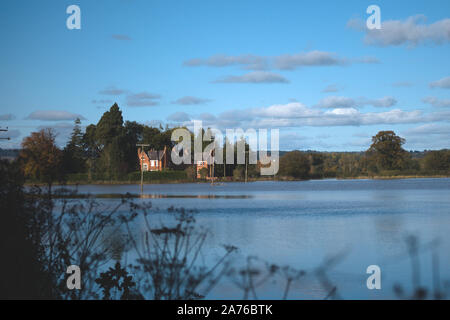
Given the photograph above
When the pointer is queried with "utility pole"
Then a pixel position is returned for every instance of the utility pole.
(212, 166)
(246, 166)
(4, 138)
(142, 165)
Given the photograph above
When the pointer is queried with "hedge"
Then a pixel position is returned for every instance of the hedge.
(159, 175)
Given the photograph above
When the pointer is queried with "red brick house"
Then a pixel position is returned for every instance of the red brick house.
(152, 160)
(201, 165)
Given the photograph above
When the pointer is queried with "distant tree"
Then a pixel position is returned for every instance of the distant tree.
(110, 126)
(150, 136)
(350, 165)
(111, 138)
(91, 149)
(41, 158)
(239, 173)
(133, 135)
(190, 172)
(295, 164)
(386, 151)
(317, 164)
(73, 154)
(437, 160)
(203, 172)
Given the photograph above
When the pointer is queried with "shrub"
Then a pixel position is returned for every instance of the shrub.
(166, 175)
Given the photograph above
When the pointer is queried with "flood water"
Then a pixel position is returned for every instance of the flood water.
(364, 222)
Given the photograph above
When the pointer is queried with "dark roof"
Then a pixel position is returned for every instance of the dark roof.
(155, 155)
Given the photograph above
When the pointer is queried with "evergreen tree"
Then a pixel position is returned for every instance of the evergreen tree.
(73, 154)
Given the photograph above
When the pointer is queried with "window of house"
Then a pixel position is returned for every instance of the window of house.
(144, 167)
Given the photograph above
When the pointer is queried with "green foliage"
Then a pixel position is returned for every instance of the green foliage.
(40, 157)
(165, 175)
(437, 161)
(239, 173)
(110, 126)
(386, 151)
(107, 152)
(190, 173)
(203, 173)
(295, 164)
(73, 153)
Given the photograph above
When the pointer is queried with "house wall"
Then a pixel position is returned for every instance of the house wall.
(200, 165)
(144, 160)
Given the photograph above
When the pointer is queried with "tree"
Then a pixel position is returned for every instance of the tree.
(91, 149)
(295, 164)
(111, 138)
(437, 160)
(73, 153)
(317, 164)
(134, 135)
(41, 157)
(386, 151)
(22, 275)
(239, 173)
(203, 173)
(109, 126)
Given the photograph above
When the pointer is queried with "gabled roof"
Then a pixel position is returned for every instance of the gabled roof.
(155, 155)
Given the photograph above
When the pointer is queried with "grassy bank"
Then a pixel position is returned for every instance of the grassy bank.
(394, 177)
(179, 177)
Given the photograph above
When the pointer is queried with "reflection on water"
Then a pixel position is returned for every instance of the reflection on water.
(151, 196)
(301, 223)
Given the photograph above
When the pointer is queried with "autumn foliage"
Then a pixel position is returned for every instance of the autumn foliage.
(40, 157)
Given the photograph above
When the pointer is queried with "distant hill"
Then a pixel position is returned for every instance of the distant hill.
(9, 153)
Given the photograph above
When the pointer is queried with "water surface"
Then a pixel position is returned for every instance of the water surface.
(301, 223)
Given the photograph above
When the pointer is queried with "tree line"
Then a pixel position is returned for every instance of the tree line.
(384, 157)
(107, 151)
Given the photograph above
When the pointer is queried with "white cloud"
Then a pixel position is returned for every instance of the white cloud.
(249, 62)
(343, 112)
(428, 136)
(281, 62)
(435, 102)
(189, 100)
(254, 77)
(337, 102)
(7, 117)
(443, 83)
(179, 117)
(331, 88)
(112, 91)
(121, 37)
(53, 115)
(429, 128)
(345, 102)
(411, 32)
(312, 58)
(299, 115)
(384, 102)
(290, 110)
(207, 117)
(143, 99)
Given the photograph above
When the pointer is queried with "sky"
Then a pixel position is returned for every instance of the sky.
(311, 69)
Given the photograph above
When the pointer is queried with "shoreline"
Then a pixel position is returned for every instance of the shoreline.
(103, 182)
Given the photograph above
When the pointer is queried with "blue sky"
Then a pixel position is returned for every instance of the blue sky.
(311, 69)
